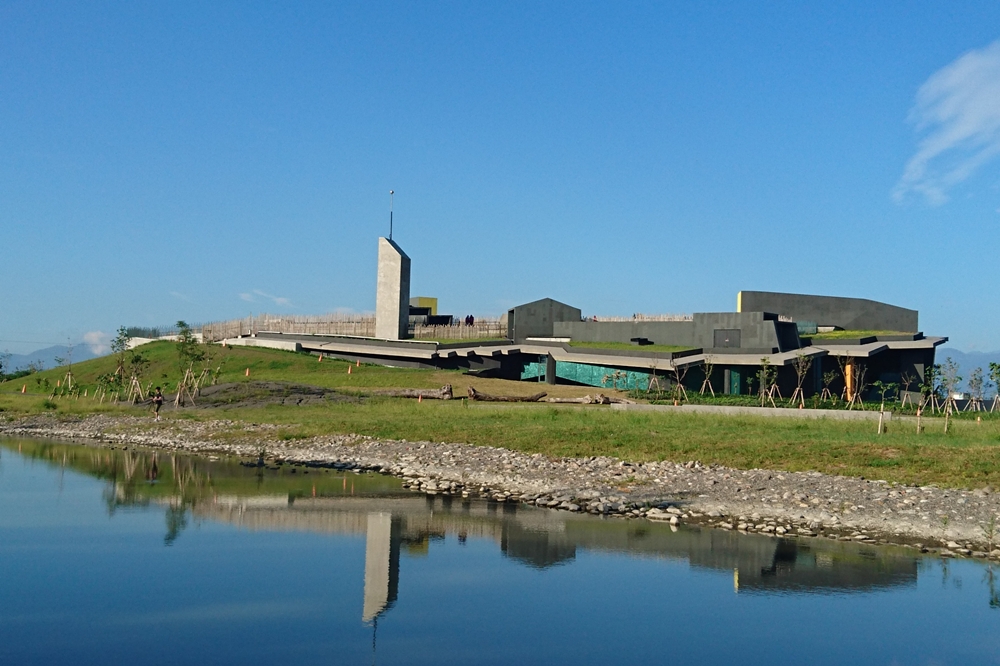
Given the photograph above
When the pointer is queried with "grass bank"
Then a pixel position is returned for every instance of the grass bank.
(233, 364)
(969, 456)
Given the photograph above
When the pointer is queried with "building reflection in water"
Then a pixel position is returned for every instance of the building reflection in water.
(394, 520)
(543, 539)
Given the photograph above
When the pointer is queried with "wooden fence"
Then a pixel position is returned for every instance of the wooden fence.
(646, 317)
(353, 325)
(482, 329)
(333, 324)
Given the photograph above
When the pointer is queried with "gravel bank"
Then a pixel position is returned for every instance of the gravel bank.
(808, 504)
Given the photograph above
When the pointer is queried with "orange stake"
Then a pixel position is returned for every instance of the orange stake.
(348, 369)
(248, 372)
(420, 398)
(359, 363)
(320, 358)
(24, 388)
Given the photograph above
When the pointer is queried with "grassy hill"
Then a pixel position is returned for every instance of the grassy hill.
(264, 364)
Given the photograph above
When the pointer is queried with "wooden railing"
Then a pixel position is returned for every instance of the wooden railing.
(353, 325)
(482, 329)
(333, 324)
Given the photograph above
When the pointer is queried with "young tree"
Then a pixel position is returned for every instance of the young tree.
(679, 391)
(708, 366)
(930, 388)
(189, 351)
(803, 364)
(884, 388)
(119, 347)
(977, 385)
(906, 380)
(828, 378)
(4, 365)
(137, 364)
(766, 380)
(950, 380)
(995, 379)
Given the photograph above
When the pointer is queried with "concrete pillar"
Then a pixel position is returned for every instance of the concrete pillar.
(392, 298)
(550, 370)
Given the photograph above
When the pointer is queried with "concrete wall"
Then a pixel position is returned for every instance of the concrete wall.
(757, 331)
(847, 313)
(392, 299)
(658, 332)
(537, 319)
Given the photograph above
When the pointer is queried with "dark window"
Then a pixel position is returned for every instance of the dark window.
(727, 337)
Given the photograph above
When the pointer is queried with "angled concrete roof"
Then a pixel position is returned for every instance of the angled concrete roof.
(560, 351)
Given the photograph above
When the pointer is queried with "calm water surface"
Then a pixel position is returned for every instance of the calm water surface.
(114, 556)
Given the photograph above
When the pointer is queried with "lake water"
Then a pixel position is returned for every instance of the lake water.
(115, 556)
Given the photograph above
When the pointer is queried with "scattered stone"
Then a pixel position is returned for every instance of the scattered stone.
(804, 504)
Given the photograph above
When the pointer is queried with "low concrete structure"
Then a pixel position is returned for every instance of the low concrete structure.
(392, 298)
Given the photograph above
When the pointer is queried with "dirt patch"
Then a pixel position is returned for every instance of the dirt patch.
(261, 394)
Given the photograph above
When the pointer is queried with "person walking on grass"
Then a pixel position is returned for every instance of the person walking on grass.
(157, 403)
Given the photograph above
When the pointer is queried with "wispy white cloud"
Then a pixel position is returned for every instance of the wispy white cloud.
(251, 297)
(958, 110)
(98, 342)
(183, 297)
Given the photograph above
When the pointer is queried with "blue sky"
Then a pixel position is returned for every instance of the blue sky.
(202, 161)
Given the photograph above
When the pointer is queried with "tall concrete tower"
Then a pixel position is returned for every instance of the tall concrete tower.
(392, 301)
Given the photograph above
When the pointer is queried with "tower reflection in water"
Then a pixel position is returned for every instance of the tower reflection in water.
(382, 540)
(393, 521)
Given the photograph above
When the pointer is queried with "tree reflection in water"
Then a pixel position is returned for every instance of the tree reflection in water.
(314, 499)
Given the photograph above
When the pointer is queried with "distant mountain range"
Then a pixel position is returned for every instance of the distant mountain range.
(968, 361)
(47, 357)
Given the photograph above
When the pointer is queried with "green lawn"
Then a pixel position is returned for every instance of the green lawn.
(968, 457)
(275, 365)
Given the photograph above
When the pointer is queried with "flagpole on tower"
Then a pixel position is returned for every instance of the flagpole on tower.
(391, 192)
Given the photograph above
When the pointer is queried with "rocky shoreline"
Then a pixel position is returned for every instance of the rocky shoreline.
(950, 522)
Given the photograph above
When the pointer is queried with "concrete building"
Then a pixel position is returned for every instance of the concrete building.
(852, 314)
(550, 341)
(538, 319)
(392, 298)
